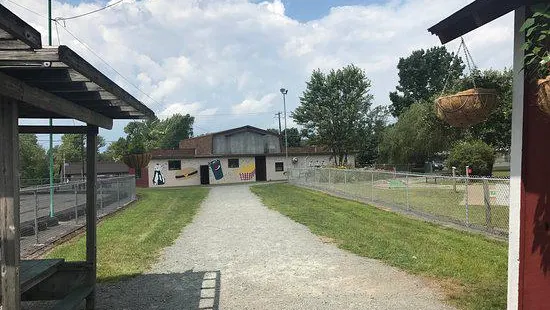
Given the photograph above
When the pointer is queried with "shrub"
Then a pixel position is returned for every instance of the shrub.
(474, 153)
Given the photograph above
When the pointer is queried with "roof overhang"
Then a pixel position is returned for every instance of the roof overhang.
(475, 15)
(56, 82)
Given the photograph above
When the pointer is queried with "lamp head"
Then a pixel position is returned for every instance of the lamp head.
(284, 91)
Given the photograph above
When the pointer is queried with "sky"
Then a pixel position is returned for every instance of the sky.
(224, 61)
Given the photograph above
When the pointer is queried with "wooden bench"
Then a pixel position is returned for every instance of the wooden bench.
(75, 298)
(37, 270)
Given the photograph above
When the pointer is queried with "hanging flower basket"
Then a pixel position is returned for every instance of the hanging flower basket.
(137, 161)
(543, 99)
(466, 108)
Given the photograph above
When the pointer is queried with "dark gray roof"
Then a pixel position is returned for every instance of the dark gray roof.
(58, 77)
(475, 15)
(103, 167)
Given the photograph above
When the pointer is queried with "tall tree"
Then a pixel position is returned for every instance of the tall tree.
(497, 130)
(172, 130)
(373, 131)
(73, 148)
(422, 75)
(294, 136)
(417, 136)
(33, 159)
(333, 109)
(152, 134)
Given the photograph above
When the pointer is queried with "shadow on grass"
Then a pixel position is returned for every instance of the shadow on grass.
(190, 290)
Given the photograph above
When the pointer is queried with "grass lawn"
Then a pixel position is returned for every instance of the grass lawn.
(439, 201)
(129, 242)
(472, 269)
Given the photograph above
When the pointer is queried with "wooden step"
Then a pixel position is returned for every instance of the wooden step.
(75, 298)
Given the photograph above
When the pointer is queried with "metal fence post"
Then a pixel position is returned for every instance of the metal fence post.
(486, 199)
(407, 191)
(329, 177)
(466, 201)
(76, 203)
(345, 176)
(118, 192)
(100, 195)
(372, 186)
(36, 214)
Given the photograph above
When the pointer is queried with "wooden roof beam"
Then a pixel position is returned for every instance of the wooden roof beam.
(76, 62)
(19, 29)
(41, 99)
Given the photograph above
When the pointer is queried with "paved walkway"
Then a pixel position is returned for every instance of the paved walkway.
(237, 254)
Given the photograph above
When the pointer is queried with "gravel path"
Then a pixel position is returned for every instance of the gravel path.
(237, 254)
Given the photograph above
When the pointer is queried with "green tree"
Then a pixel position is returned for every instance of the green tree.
(417, 136)
(152, 134)
(497, 130)
(422, 75)
(369, 150)
(294, 136)
(474, 153)
(73, 148)
(32, 157)
(171, 131)
(334, 108)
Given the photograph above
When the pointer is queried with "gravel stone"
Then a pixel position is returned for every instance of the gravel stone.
(238, 254)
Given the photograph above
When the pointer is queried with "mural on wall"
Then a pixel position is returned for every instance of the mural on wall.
(187, 172)
(158, 178)
(216, 167)
(247, 172)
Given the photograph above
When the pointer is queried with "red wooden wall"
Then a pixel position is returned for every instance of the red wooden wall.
(144, 180)
(534, 275)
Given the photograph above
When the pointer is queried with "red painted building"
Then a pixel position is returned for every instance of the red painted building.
(529, 235)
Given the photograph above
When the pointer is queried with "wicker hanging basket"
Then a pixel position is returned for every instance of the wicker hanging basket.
(543, 98)
(466, 108)
(137, 161)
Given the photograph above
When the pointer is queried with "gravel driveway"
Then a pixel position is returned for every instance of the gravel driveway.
(237, 254)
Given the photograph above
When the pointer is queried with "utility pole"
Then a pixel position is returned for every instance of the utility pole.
(279, 116)
(51, 120)
(284, 92)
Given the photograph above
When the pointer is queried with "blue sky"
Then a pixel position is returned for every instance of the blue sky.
(302, 10)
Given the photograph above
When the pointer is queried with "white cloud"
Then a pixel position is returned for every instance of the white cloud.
(194, 109)
(264, 104)
(201, 57)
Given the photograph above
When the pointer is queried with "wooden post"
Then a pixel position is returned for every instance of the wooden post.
(9, 204)
(91, 199)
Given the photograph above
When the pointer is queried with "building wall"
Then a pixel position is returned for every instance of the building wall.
(246, 143)
(189, 174)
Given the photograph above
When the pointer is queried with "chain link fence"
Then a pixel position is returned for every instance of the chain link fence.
(42, 225)
(477, 203)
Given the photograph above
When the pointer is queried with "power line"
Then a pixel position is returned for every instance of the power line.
(26, 8)
(88, 13)
(112, 68)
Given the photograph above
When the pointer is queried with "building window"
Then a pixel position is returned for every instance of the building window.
(233, 163)
(174, 165)
(279, 166)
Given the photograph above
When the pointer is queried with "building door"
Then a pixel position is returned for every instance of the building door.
(260, 168)
(205, 175)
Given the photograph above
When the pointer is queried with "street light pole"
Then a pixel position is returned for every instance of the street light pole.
(284, 92)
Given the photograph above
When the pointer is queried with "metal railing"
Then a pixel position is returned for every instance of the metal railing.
(474, 202)
(41, 225)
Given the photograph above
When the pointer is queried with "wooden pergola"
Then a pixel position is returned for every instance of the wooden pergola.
(57, 83)
(529, 220)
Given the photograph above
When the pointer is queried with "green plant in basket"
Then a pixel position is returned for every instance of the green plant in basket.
(537, 54)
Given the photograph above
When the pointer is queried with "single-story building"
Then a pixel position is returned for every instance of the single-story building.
(104, 169)
(244, 154)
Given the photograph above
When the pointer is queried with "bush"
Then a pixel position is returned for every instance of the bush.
(474, 153)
